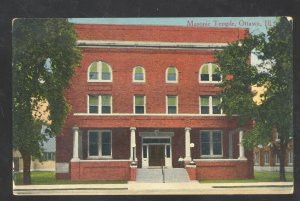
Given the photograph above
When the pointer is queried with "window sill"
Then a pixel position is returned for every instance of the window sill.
(209, 115)
(210, 82)
(212, 157)
(138, 82)
(99, 82)
(99, 158)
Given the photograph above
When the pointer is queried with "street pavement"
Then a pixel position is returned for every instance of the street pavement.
(134, 188)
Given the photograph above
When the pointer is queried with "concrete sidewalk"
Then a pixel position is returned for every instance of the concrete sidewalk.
(134, 188)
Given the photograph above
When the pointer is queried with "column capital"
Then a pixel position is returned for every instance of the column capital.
(75, 128)
(187, 129)
(132, 128)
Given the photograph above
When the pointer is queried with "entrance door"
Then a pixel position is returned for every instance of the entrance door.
(156, 155)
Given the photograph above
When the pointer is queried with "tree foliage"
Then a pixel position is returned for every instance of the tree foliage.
(238, 77)
(275, 112)
(44, 58)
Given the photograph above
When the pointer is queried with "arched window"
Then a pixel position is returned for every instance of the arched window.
(208, 73)
(171, 75)
(139, 74)
(99, 72)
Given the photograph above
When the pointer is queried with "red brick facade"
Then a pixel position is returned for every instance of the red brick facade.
(122, 89)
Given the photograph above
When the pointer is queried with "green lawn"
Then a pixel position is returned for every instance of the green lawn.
(259, 177)
(48, 178)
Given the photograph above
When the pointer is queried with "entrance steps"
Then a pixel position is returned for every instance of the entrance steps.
(154, 175)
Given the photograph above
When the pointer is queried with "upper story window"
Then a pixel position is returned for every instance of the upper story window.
(172, 104)
(139, 74)
(210, 105)
(172, 75)
(208, 73)
(99, 143)
(139, 105)
(211, 143)
(99, 104)
(99, 72)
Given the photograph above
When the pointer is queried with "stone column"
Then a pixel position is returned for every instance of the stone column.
(132, 144)
(75, 144)
(242, 151)
(187, 144)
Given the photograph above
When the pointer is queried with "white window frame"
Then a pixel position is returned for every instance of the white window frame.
(267, 153)
(99, 70)
(99, 103)
(133, 75)
(168, 105)
(256, 158)
(277, 160)
(99, 145)
(290, 157)
(210, 113)
(210, 81)
(211, 155)
(171, 81)
(144, 104)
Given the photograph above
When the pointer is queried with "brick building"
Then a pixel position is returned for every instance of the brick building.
(266, 158)
(145, 96)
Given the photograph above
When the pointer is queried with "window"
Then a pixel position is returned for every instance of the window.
(168, 151)
(99, 72)
(139, 105)
(171, 75)
(139, 74)
(277, 161)
(204, 105)
(48, 156)
(256, 158)
(156, 140)
(210, 105)
(208, 73)
(93, 104)
(215, 105)
(106, 104)
(99, 143)
(291, 157)
(100, 104)
(211, 143)
(144, 151)
(267, 158)
(172, 104)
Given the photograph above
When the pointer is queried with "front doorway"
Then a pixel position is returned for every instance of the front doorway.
(156, 152)
(156, 155)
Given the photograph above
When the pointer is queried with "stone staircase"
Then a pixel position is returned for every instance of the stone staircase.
(154, 175)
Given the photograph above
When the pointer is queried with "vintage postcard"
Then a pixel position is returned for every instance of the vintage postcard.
(152, 106)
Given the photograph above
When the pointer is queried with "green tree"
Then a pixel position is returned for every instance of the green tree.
(44, 58)
(275, 112)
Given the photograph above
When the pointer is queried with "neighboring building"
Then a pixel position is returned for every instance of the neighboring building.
(141, 97)
(48, 160)
(266, 159)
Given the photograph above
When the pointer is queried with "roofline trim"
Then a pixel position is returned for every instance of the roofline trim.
(148, 45)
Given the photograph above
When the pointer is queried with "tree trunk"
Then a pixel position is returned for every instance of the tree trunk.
(282, 162)
(26, 167)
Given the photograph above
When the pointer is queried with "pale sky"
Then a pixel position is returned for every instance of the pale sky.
(254, 24)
